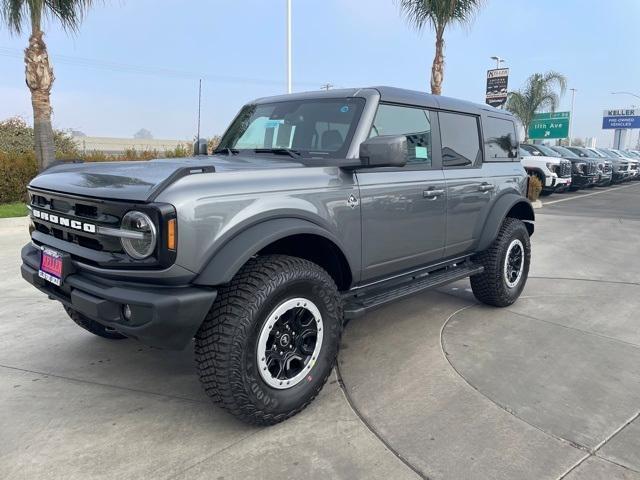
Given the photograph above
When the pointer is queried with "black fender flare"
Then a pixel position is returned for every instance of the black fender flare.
(236, 251)
(501, 208)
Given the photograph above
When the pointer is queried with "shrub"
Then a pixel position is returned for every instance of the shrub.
(178, 152)
(17, 137)
(213, 143)
(96, 156)
(535, 188)
(16, 170)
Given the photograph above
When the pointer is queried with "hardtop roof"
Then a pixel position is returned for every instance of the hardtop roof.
(394, 95)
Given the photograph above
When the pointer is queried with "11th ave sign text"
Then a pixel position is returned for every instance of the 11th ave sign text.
(549, 125)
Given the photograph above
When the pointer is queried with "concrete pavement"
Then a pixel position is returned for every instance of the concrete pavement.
(435, 386)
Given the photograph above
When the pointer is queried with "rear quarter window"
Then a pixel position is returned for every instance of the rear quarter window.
(500, 140)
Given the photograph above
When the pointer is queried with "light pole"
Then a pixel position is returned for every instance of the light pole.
(326, 86)
(288, 46)
(625, 93)
(498, 61)
(573, 98)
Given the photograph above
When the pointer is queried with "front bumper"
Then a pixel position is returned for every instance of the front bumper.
(581, 181)
(619, 176)
(166, 317)
(605, 178)
(562, 182)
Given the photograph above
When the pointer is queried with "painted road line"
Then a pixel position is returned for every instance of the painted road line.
(590, 194)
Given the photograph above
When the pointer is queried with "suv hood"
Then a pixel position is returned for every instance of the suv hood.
(542, 159)
(142, 181)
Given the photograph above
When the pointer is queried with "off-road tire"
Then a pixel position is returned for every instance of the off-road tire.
(491, 286)
(227, 342)
(93, 326)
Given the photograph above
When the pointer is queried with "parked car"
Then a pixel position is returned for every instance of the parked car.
(554, 173)
(591, 170)
(315, 207)
(621, 170)
(584, 172)
(605, 166)
(634, 171)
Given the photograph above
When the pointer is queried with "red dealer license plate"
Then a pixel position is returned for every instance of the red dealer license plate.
(51, 267)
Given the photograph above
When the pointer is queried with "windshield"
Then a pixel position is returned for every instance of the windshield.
(320, 128)
(565, 152)
(530, 149)
(580, 152)
(549, 152)
(621, 154)
(598, 153)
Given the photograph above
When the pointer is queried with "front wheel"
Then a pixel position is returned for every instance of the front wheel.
(269, 343)
(506, 265)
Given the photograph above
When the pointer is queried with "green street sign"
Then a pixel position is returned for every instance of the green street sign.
(549, 125)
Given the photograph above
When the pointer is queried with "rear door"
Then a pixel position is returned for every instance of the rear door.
(403, 209)
(469, 192)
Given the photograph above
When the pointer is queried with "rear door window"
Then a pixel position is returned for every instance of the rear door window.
(460, 138)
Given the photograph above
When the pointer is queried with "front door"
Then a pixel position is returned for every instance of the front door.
(403, 209)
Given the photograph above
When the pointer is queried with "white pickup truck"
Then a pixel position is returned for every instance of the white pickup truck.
(553, 172)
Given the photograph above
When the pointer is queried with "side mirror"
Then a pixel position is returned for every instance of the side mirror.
(200, 147)
(384, 151)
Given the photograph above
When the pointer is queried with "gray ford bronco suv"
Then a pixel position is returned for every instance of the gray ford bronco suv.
(316, 208)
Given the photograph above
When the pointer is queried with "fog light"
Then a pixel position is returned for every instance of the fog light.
(126, 312)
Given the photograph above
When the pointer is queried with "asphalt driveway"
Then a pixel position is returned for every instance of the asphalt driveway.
(435, 386)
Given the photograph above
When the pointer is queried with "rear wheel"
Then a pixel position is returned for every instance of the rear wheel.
(506, 265)
(269, 343)
(93, 326)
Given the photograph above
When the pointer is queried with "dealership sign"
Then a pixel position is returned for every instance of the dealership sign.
(621, 118)
(549, 125)
(497, 81)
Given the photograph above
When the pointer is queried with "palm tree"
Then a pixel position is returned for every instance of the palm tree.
(439, 14)
(540, 93)
(38, 71)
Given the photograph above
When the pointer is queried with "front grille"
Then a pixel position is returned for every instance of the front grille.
(564, 170)
(591, 168)
(623, 168)
(633, 167)
(81, 211)
(75, 225)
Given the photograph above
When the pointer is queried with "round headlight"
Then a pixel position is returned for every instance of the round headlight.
(142, 241)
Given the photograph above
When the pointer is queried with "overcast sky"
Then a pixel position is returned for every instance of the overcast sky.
(135, 63)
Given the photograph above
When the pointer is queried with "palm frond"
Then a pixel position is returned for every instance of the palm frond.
(17, 13)
(13, 14)
(439, 13)
(541, 92)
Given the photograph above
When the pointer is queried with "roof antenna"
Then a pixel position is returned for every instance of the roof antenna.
(199, 104)
(200, 147)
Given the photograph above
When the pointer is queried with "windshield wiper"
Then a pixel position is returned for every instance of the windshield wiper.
(279, 151)
(227, 151)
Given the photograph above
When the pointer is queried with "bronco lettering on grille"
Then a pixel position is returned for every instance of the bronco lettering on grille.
(63, 221)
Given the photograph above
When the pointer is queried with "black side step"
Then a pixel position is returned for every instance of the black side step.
(358, 304)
